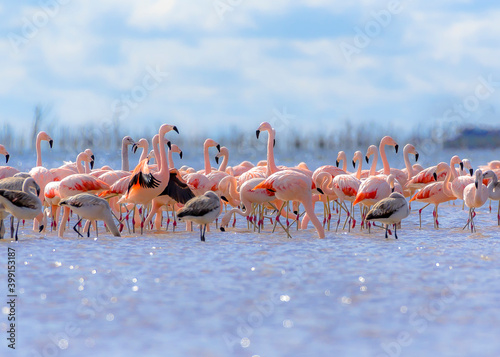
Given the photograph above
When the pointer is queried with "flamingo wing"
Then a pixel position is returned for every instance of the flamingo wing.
(177, 189)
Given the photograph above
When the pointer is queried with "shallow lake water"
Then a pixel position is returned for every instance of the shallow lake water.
(431, 292)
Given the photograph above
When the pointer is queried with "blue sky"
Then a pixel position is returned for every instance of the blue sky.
(236, 62)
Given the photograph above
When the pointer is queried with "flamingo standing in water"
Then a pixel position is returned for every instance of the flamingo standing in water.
(40, 174)
(475, 195)
(436, 193)
(21, 204)
(290, 185)
(374, 188)
(199, 182)
(92, 208)
(493, 189)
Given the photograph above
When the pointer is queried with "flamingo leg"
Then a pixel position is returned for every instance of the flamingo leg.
(76, 230)
(420, 214)
(395, 231)
(386, 229)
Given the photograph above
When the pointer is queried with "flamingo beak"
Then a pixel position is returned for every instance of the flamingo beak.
(274, 142)
(337, 163)
(224, 198)
(416, 156)
(353, 163)
(51, 142)
(7, 158)
(175, 129)
(217, 160)
(320, 190)
(169, 145)
(396, 147)
(461, 166)
(476, 184)
(218, 147)
(180, 154)
(92, 157)
(92, 164)
(367, 159)
(435, 176)
(471, 172)
(257, 133)
(222, 229)
(134, 148)
(392, 189)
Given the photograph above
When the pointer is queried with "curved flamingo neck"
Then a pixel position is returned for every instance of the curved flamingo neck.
(385, 163)
(233, 192)
(79, 165)
(163, 156)
(373, 168)
(145, 151)
(125, 164)
(408, 166)
(271, 165)
(454, 172)
(38, 150)
(358, 173)
(446, 184)
(208, 168)
(225, 159)
(344, 161)
(156, 140)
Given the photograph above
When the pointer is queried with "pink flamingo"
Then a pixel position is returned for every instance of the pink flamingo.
(426, 176)
(436, 193)
(248, 196)
(375, 188)
(493, 189)
(475, 196)
(199, 182)
(290, 185)
(144, 186)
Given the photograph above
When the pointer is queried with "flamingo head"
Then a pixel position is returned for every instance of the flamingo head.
(44, 136)
(3, 151)
(264, 126)
(467, 165)
(410, 149)
(358, 156)
(372, 150)
(151, 155)
(165, 128)
(441, 167)
(176, 149)
(387, 140)
(341, 156)
(89, 152)
(210, 142)
(142, 143)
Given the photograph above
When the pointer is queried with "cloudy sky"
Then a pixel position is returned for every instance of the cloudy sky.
(210, 64)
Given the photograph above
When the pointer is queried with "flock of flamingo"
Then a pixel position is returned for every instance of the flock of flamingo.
(260, 193)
